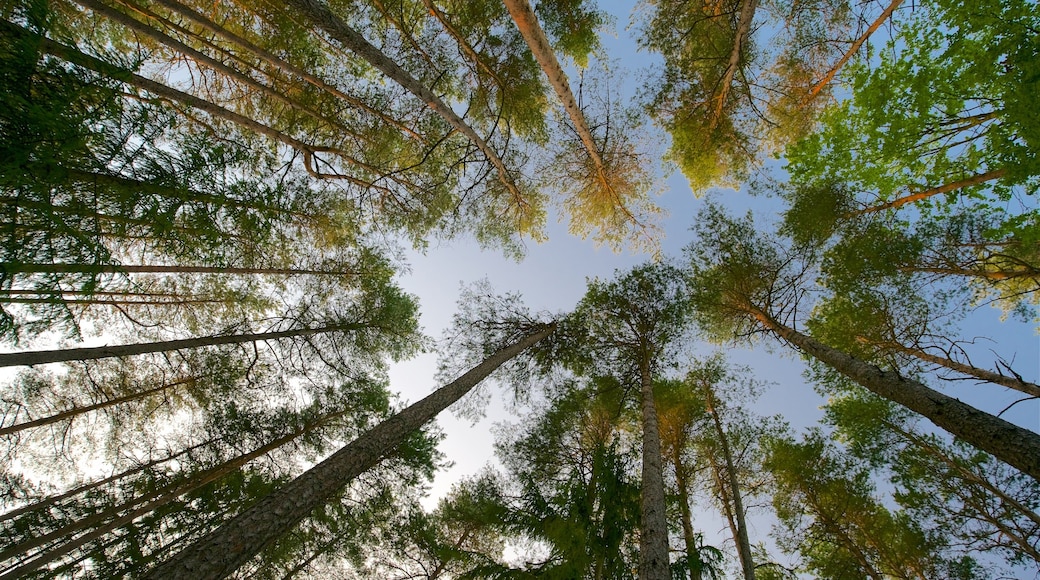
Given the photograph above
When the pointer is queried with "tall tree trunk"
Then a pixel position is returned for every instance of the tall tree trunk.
(203, 59)
(1018, 447)
(76, 411)
(38, 357)
(683, 487)
(74, 56)
(747, 14)
(527, 23)
(276, 62)
(225, 549)
(48, 501)
(325, 19)
(747, 562)
(31, 268)
(653, 538)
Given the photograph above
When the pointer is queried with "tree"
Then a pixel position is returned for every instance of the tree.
(938, 113)
(723, 96)
(742, 282)
(979, 505)
(827, 505)
(632, 325)
(615, 182)
(705, 379)
(225, 549)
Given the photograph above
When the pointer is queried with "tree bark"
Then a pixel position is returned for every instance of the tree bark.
(653, 539)
(38, 357)
(527, 23)
(747, 14)
(747, 562)
(1015, 446)
(690, 541)
(225, 549)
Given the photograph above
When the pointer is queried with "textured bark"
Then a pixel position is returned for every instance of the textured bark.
(1018, 447)
(38, 357)
(322, 17)
(221, 552)
(527, 23)
(76, 411)
(683, 487)
(747, 562)
(653, 539)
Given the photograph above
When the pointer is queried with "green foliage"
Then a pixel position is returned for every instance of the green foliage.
(574, 27)
(827, 505)
(940, 103)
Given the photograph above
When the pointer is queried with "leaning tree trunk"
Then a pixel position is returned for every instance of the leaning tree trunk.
(1014, 445)
(77, 410)
(225, 549)
(747, 562)
(38, 357)
(653, 539)
(1011, 382)
(83, 268)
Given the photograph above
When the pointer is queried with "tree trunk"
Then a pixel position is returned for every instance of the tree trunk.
(924, 194)
(322, 17)
(30, 268)
(206, 60)
(827, 78)
(76, 411)
(747, 562)
(225, 549)
(747, 14)
(690, 541)
(273, 60)
(653, 539)
(527, 23)
(96, 484)
(1018, 447)
(38, 357)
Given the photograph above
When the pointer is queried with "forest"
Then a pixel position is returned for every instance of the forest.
(215, 220)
